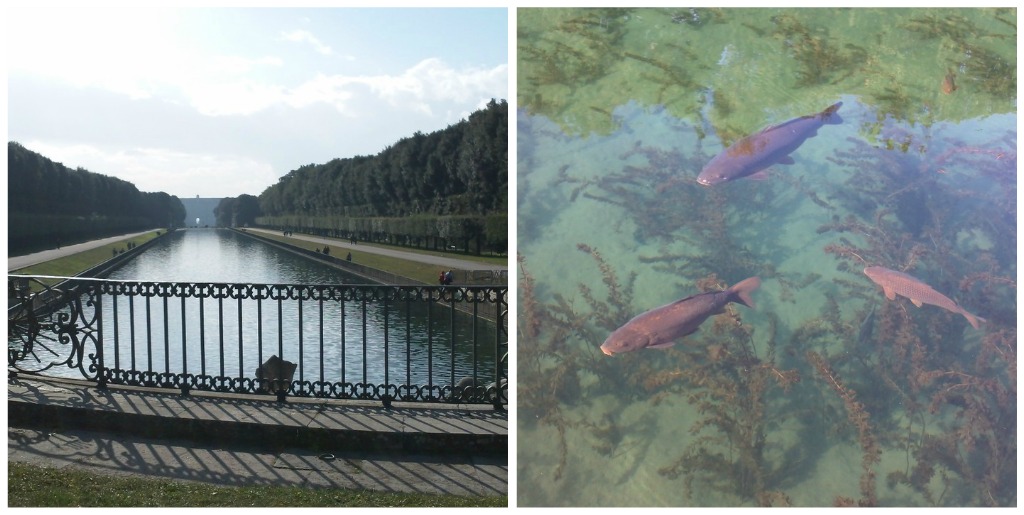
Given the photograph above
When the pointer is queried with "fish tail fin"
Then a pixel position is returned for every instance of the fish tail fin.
(830, 115)
(973, 319)
(740, 292)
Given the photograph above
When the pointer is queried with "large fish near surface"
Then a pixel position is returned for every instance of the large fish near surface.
(895, 283)
(772, 145)
(660, 327)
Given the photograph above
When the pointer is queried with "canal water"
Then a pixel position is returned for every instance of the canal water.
(422, 343)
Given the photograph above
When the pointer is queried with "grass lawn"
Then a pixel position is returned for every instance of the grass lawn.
(30, 485)
(77, 263)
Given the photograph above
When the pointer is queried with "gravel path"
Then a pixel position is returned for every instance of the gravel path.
(440, 261)
(16, 262)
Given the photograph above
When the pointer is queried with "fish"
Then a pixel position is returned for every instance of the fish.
(949, 83)
(898, 283)
(751, 155)
(660, 327)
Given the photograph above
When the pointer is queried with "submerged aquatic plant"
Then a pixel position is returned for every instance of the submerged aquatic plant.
(859, 419)
(955, 420)
(914, 383)
(576, 65)
(558, 343)
(822, 59)
(730, 388)
(904, 211)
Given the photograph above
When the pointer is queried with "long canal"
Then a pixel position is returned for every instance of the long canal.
(331, 334)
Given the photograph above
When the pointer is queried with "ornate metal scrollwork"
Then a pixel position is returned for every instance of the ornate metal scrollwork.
(50, 327)
(54, 326)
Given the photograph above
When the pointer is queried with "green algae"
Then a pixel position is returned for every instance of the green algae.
(734, 69)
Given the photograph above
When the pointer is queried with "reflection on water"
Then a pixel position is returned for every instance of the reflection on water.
(225, 257)
(828, 392)
(396, 342)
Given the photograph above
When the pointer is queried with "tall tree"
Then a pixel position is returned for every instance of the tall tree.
(460, 170)
(51, 204)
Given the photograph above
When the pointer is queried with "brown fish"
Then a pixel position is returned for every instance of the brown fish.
(660, 327)
(949, 83)
(751, 155)
(898, 283)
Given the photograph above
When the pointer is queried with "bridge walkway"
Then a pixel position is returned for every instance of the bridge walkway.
(250, 440)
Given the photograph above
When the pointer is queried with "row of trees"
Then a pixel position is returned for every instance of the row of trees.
(237, 211)
(449, 187)
(460, 170)
(50, 204)
(468, 233)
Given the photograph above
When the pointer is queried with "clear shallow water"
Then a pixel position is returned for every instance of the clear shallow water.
(827, 392)
(414, 332)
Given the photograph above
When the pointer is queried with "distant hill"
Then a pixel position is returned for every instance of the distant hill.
(201, 208)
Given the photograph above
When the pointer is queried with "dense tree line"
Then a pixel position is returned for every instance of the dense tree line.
(50, 204)
(237, 211)
(468, 233)
(449, 187)
(460, 170)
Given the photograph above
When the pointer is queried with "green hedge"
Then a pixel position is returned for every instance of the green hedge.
(31, 232)
(468, 233)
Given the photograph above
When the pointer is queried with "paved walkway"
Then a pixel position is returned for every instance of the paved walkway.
(248, 440)
(16, 262)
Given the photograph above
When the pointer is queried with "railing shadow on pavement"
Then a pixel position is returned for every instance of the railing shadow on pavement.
(316, 424)
(185, 460)
(232, 457)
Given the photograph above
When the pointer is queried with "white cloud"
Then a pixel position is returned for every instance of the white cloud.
(142, 57)
(85, 47)
(159, 169)
(417, 89)
(431, 80)
(329, 90)
(234, 65)
(303, 36)
(238, 97)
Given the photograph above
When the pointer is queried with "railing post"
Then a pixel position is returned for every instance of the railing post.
(385, 398)
(281, 391)
(101, 375)
(185, 387)
(499, 324)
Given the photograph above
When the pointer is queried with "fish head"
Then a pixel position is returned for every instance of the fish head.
(711, 176)
(720, 169)
(624, 339)
(872, 272)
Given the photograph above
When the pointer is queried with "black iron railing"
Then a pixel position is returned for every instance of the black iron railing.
(385, 343)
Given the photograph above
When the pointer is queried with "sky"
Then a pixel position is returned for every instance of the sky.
(222, 102)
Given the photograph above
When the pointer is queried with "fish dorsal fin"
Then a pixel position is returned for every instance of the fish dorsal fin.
(686, 299)
(776, 126)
